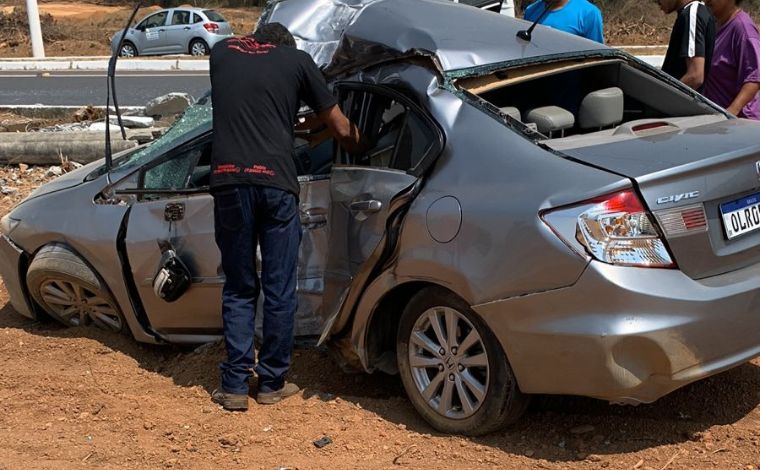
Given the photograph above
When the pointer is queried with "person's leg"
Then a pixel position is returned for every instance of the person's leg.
(236, 237)
(279, 230)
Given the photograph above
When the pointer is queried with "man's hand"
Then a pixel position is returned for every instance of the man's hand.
(348, 135)
(746, 94)
(695, 72)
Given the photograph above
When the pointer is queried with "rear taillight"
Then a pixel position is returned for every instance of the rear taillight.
(211, 27)
(615, 229)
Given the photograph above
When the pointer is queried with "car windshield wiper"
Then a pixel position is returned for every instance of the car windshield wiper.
(111, 91)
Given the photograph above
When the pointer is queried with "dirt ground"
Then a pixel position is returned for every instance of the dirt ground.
(84, 398)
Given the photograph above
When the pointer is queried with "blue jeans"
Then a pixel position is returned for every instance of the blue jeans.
(244, 217)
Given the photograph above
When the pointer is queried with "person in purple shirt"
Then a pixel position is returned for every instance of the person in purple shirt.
(734, 79)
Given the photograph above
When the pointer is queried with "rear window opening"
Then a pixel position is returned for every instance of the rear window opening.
(585, 102)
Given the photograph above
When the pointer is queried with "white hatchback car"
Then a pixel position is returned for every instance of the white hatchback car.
(191, 31)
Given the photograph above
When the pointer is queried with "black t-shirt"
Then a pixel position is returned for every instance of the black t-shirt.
(693, 35)
(256, 91)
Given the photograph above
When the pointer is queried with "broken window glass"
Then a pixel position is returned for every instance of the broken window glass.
(195, 122)
(172, 174)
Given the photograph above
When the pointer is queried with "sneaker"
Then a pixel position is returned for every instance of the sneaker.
(270, 398)
(230, 401)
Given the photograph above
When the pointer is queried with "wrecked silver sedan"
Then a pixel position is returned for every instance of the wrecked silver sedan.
(536, 217)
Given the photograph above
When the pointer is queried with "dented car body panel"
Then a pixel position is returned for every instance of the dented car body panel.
(458, 194)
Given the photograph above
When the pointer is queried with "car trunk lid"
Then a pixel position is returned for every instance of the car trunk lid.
(680, 170)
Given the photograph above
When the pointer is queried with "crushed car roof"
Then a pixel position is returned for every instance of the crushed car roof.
(343, 35)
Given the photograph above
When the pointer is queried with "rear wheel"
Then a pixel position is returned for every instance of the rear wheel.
(198, 47)
(69, 291)
(453, 368)
(128, 50)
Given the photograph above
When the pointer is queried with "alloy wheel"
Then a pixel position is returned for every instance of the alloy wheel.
(78, 305)
(127, 50)
(198, 49)
(449, 363)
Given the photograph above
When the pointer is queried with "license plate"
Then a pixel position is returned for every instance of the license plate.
(742, 216)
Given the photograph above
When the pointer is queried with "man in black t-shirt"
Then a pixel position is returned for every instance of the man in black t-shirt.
(257, 85)
(691, 42)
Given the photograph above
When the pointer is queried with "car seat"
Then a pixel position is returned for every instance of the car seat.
(512, 112)
(602, 108)
(550, 120)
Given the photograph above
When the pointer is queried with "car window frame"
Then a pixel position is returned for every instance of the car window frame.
(141, 192)
(216, 13)
(438, 143)
(141, 26)
(180, 10)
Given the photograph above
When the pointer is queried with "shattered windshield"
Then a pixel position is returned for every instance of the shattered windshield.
(195, 122)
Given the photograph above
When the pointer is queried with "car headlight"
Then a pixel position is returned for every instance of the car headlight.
(8, 224)
(615, 229)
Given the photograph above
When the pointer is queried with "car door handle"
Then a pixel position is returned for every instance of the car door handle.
(370, 206)
(187, 28)
(161, 30)
(174, 212)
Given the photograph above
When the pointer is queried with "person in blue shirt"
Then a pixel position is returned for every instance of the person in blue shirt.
(579, 17)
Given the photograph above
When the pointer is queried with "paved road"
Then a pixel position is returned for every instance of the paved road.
(89, 88)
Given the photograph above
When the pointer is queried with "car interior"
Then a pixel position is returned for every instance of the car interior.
(602, 98)
(401, 139)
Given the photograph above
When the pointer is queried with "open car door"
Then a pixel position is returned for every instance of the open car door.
(369, 193)
(171, 202)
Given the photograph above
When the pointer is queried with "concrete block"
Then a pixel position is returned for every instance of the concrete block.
(167, 105)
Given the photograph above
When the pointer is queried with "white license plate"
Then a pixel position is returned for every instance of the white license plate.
(741, 216)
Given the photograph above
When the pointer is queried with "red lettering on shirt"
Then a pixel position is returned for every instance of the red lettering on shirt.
(248, 45)
(227, 168)
(260, 170)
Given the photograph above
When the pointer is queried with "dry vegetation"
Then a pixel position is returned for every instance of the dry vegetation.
(80, 28)
(85, 28)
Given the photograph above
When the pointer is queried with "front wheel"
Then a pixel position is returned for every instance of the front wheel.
(199, 48)
(70, 292)
(453, 368)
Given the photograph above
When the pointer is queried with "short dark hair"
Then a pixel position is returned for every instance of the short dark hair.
(275, 34)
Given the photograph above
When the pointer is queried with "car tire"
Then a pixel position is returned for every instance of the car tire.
(70, 292)
(480, 372)
(198, 47)
(128, 50)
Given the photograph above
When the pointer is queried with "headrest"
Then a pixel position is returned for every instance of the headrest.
(601, 108)
(512, 112)
(551, 119)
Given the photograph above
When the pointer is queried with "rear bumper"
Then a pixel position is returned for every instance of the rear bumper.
(10, 262)
(212, 39)
(628, 334)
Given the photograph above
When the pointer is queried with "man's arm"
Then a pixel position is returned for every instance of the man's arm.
(695, 72)
(348, 135)
(746, 94)
(693, 45)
